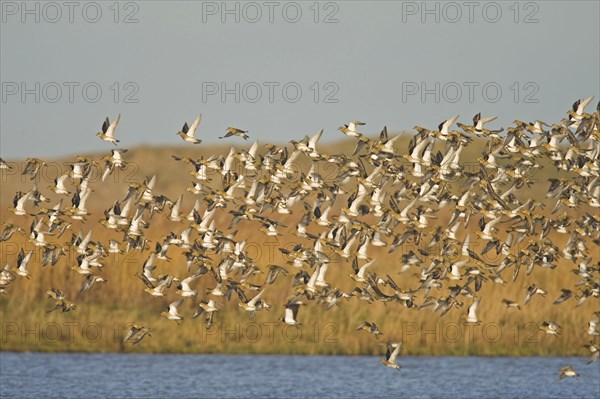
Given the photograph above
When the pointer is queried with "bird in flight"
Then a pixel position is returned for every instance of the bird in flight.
(136, 334)
(188, 134)
(234, 131)
(391, 356)
(566, 372)
(291, 313)
(108, 130)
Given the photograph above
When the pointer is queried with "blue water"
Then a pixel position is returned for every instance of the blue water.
(231, 376)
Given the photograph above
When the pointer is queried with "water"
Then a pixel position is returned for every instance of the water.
(231, 376)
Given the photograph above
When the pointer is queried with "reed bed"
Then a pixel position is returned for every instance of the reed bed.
(104, 314)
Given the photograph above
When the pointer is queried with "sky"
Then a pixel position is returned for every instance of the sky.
(282, 70)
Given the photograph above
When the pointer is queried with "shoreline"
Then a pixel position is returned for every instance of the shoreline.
(244, 353)
(276, 354)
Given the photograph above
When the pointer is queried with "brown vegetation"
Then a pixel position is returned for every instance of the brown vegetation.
(103, 314)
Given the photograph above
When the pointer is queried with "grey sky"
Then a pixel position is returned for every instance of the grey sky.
(367, 61)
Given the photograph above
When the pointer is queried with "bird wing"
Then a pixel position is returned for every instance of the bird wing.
(211, 304)
(488, 119)
(361, 326)
(361, 271)
(295, 307)
(313, 277)
(111, 128)
(253, 301)
(174, 305)
(473, 309)
(392, 355)
(21, 201)
(185, 283)
(444, 126)
(289, 315)
(192, 130)
(105, 125)
(134, 330)
(322, 272)
(584, 104)
(176, 207)
(314, 139)
(355, 265)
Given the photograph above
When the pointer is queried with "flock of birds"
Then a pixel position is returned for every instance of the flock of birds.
(399, 192)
